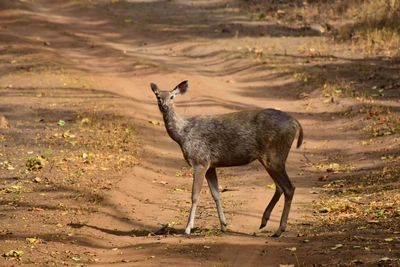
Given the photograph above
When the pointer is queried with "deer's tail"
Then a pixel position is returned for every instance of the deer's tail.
(300, 137)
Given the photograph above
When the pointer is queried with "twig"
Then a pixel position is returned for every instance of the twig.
(305, 156)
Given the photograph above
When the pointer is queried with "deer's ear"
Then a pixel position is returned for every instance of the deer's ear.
(181, 88)
(154, 88)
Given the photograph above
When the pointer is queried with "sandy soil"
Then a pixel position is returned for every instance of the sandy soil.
(102, 55)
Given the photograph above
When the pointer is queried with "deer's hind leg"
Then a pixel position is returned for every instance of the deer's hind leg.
(212, 180)
(271, 205)
(275, 167)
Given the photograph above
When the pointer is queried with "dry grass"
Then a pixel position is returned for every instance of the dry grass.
(380, 120)
(376, 26)
(338, 88)
(372, 26)
(370, 199)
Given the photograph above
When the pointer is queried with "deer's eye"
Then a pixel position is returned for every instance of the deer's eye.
(171, 97)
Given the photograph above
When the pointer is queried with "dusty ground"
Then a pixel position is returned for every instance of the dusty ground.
(88, 173)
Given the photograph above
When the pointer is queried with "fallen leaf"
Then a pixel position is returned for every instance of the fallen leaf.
(85, 121)
(380, 213)
(172, 223)
(31, 240)
(324, 210)
(384, 259)
(37, 180)
(128, 20)
(14, 189)
(179, 190)
(337, 246)
(155, 122)
(357, 261)
(13, 253)
(35, 163)
(228, 189)
(322, 178)
(304, 95)
(365, 143)
(88, 168)
(4, 123)
(37, 209)
(272, 186)
(7, 165)
(61, 123)
(291, 249)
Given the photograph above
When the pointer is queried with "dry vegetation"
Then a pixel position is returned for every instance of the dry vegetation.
(65, 154)
(371, 26)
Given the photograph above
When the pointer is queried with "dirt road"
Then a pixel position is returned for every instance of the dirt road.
(232, 63)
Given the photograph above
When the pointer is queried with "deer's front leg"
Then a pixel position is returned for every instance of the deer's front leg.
(198, 178)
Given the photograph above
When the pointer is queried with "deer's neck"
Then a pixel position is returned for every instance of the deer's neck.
(174, 125)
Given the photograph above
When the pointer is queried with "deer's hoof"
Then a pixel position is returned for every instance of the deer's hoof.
(223, 227)
(187, 231)
(277, 233)
(263, 224)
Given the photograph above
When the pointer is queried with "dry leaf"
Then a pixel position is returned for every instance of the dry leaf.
(337, 246)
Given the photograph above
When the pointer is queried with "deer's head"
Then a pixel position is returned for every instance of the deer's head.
(166, 98)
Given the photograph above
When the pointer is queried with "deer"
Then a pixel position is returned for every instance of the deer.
(232, 139)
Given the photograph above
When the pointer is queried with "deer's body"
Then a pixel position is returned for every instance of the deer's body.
(232, 139)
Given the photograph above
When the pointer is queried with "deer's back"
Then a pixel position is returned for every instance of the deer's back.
(236, 138)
